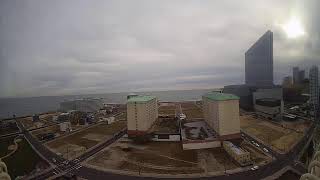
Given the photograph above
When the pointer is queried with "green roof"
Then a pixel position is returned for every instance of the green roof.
(216, 96)
(140, 99)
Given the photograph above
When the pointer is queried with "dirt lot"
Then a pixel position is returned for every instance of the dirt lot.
(45, 119)
(165, 125)
(167, 109)
(161, 158)
(50, 129)
(121, 117)
(84, 139)
(191, 110)
(282, 139)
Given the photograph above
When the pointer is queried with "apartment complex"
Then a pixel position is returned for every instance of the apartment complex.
(142, 112)
(221, 112)
(259, 62)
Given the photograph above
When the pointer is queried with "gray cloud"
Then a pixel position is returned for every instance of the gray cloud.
(75, 47)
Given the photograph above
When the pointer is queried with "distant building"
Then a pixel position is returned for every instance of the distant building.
(221, 112)
(287, 81)
(65, 126)
(259, 62)
(298, 75)
(269, 102)
(239, 155)
(295, 75)
(314, 88)
(131, 95)
(83, 105)
(301, 76)
(35, 118)
(142, 112)
(244, 92)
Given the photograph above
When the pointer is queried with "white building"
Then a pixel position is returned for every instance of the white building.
(221, 112)
(65, 126)
(238, 154)
(142, 112)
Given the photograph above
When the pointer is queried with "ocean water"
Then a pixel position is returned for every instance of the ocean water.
(32, 105)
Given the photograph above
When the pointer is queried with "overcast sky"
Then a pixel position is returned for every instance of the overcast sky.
(79, 47)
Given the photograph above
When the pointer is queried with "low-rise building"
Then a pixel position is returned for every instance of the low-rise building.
(83, 105)
(221, 112)
(269, 103)
(239, 155)
(142, 112)
(65, 126)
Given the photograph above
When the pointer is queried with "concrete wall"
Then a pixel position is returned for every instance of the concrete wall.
(201, 145)
(140, 116)
(229, 117)
(211, 115)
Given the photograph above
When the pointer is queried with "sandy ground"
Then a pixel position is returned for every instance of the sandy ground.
(167, 109)
(161, 158)
(82, 140)
(45, 119)
(191, 110)
(281, 138)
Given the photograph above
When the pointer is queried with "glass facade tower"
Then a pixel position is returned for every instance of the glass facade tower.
(259, 62)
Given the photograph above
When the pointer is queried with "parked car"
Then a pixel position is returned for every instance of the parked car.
(265, 150)
(254, 168)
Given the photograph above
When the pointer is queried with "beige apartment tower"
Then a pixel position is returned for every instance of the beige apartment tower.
(142, 112)
(221, 112)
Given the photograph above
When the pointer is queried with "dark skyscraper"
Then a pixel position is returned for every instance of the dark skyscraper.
(295, 75)
(259, 62)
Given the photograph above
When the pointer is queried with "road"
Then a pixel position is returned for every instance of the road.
(74, 167)
(282, 160)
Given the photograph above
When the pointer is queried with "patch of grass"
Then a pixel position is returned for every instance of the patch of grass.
(23, 161)
(5, 142)
(8, 131)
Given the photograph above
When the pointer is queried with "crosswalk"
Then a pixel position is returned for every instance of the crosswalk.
(64, 168)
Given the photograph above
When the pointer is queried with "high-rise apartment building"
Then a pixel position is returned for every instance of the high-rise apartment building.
(142, 112)
(314, 88)
(259, 62)
(298, 75)
(221, 112)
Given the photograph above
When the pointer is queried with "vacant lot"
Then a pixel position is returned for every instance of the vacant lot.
(161, 158)
(75, 144)
(280, 138)
(12, 128)
(168, 109)
(45, 119)
(191, 110)
(23, 161)
(121, 117)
